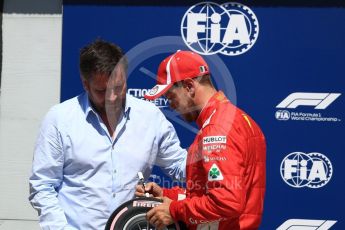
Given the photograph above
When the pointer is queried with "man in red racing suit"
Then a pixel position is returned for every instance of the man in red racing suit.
(226, 167)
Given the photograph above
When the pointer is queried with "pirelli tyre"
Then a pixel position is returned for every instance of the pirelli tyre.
(132, 216)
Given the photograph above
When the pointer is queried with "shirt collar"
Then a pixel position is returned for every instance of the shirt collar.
(209, 108)
(87, 107)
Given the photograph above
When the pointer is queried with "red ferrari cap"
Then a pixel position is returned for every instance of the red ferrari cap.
(177, 67)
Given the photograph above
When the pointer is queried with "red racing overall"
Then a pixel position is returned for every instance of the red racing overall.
(226, 171)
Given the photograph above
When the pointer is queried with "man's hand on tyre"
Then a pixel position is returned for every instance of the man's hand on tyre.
(159, 216)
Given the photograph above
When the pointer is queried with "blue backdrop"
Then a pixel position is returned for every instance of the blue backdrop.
(300, 49)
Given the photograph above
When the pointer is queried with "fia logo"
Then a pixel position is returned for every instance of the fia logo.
(209, 28)
(282, 115)
(313, 170)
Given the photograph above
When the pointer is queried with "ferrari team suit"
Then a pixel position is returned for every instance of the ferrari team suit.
(226, 170)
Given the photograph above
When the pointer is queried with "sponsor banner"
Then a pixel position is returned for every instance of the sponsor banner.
(312, 170)
(216, 148)
(214, 140)
(209, 28)
(145, 203)
(284, 115)
(213, 223)
(139, 93)
(214, 158)
(316, 101)
(305, 224)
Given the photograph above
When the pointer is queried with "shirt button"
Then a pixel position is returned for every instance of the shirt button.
(114, 194)
(114, 170)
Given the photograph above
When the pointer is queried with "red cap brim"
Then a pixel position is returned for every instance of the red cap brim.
(157, 91)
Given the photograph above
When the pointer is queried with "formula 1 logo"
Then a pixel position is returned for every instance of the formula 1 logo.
(318, 100)
(303, 224)
(313, 170)
(209, 28)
